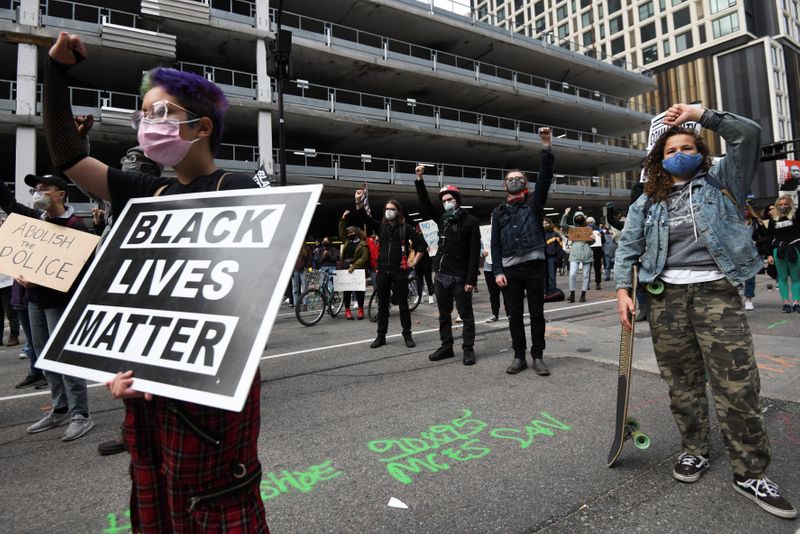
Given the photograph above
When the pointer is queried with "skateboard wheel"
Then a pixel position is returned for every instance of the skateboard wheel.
(632, 423)
(656, 287)
(641, 440)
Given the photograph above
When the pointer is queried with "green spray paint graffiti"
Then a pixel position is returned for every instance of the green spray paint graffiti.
(404, 457)
(272, 485)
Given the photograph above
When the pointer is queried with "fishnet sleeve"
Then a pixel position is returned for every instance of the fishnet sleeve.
(63, 140)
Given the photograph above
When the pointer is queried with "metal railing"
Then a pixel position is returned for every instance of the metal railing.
(507, 26)
(233, 152)
(475, 70)
(85, 100)
(8, 9)
(8, 95)
(327, 165)
(230, 77)
(90, 14)
(389, 109)
(238, 10)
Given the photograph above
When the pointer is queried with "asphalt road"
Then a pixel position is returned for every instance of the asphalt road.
(484, 451)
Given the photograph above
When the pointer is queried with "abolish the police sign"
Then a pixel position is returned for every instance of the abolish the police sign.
(184, 292)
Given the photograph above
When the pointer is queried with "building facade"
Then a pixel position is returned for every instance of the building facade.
(377, 86)
(738, 55)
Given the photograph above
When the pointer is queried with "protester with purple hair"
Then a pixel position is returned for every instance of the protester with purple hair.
(173, 461)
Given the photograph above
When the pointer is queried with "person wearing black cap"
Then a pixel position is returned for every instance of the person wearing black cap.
(69, 395)
(518, 254)
(455, 265)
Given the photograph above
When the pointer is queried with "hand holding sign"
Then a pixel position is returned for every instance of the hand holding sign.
(120, 387)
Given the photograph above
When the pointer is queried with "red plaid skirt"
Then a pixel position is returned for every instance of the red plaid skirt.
(171, 463)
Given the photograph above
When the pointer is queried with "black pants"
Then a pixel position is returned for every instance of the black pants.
(423, 274)
(494, 292)
(347, 296)
(8, 311)
(598, 264)
(396, 283)
(445, 296)
(525, 279)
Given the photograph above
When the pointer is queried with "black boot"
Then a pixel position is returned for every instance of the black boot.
(539, 366)
(409, 341)
(379, 341)
(571, 296)
(445, 351)
(516, 366)
(469, 356)
(583, 296)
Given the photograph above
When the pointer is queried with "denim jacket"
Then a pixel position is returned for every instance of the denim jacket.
(517, 229)
(719, 220)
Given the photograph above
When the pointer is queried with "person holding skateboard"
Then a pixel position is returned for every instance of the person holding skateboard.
(687, 232)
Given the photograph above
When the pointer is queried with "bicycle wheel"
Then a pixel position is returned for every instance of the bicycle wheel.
(336, 303)
(372, 307)
(414, 297)
(311, 307)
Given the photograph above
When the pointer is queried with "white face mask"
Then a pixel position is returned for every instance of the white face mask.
(42, 201)
(390, 214)
(450, 205)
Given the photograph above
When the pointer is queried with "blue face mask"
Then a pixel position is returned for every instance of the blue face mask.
(682, 164)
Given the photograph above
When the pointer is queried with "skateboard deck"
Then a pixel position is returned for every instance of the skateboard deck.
(626, 427)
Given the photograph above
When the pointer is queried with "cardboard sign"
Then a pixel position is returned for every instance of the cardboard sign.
(347, 281)
(5, 281)
(430, 232)
(486, 239)
(44, 253)
(184, 292)
(580, 233)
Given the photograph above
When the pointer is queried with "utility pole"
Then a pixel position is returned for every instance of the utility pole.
(279, 67)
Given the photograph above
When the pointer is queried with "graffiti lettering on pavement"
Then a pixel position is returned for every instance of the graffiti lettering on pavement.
(525, 436)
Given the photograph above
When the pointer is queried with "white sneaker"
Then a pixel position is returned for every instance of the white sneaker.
(430, 299)
(459, 319)
(79, 425)
(50, 420)
(748, 304)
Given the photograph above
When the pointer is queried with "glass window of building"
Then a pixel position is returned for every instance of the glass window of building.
(501, 14)
(586, 19)
(618, 45)
(562, 12)
(719, 5)
(662, 5)
(540, 24)
(588, 38)
(602, 31)
(519, 4)
(664, 25)
(725, 25)
(648, 32)
(665, 46)
(614, 6)
(681, 18)
(586, 3)
(701, 33)
(538, 7)
(615, 25)
(677, 2)
(649, 54)
(646, 10)
(563, 30)
(683, 41)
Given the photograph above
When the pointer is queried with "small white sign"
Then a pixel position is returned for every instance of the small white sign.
(347, 281)
(486, 239)
(430, 231)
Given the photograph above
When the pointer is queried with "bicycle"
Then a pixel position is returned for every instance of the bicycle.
(414, 298)
(314, 302)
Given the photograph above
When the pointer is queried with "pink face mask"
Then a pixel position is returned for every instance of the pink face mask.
(162, 142)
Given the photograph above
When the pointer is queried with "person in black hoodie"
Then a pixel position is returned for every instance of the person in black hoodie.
(45, 307)
(518, 254)
(395, 237)
(455, 265)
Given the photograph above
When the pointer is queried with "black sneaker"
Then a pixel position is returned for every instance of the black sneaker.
(764, 493)
(787, 308)
(540, 368)
(380, 341)
(112, 446)
(517, 366)
(441, 353)
(689, 467)
(30, 381)
(469, 357)
(409, 341)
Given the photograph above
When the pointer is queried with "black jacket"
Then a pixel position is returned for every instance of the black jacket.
(459, 240)
(394, 242)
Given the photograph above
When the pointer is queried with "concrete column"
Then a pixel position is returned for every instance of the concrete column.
(264, 93)
(27, 61)
(262, 15)
(265, 141)
(25, 161)
(29, 12)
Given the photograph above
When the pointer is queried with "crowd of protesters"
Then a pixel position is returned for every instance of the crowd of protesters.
(180, 126)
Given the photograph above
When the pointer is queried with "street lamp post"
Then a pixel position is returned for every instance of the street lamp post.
(279, 67)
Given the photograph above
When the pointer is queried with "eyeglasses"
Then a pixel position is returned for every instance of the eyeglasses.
(515, 177)
(159, 112)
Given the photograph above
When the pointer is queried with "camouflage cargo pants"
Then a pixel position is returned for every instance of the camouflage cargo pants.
(701, 327)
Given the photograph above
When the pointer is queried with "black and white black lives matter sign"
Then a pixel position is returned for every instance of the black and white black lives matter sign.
(184, 292)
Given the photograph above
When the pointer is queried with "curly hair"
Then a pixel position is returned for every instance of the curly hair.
(195, 93)
(659, 181)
